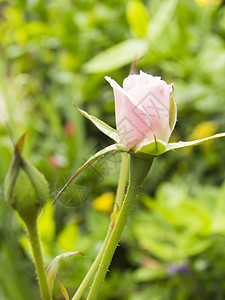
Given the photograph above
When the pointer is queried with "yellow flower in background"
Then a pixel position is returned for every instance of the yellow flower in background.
(104, 202)
(203, 130)
(207, 2)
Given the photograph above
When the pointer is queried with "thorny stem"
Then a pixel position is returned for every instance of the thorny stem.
(92, 269)
(138, 170)
(119, 198)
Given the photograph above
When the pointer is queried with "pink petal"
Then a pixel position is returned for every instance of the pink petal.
(131, 120)
(147, 79)
(135, 80)
(155, 100)
(130, 82)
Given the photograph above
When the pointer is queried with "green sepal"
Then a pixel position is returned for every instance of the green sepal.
(173, 111)
(13, 171)
(93, 158)
(102, 126)
(10, 180)
(154, 148)
(38, 181)
(174, 146)
(25, 198)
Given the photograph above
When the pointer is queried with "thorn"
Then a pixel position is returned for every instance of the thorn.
(114, 152)
(175, 150)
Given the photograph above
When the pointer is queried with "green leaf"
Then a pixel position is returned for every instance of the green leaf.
(93, 158)
(53, 267)
(117, 56)
(162, 19)
(102, 126)
(173, 146)
(138, 19)
(63, 289)
(166, 241)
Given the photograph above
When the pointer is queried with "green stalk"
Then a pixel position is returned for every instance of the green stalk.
(119, 198)
(122, 180)
(138, 171)
(38, 259)
(92, 269)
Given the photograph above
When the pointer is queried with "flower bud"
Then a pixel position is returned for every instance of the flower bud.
(145, 113)
(25, 188)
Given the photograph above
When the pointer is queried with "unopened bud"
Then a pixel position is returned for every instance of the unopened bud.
(25, 188)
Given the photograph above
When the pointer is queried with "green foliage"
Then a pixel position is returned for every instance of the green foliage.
(117, 56)
(138, 19)
(54, 53)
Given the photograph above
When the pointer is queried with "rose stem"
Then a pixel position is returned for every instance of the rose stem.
(119, 198)
(38, 259)
(138, 171)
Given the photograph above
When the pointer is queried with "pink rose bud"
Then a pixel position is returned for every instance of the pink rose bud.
(145, 113)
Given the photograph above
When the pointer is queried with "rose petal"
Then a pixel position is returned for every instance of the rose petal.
(114, 84)
(143, 79)
(131, 119)
(156, 101)
(147, 79)
(130, 82)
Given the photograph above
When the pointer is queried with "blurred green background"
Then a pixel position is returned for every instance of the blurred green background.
(53, 53)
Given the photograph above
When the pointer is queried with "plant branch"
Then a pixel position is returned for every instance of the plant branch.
(119, 198)
(138, 171)
(38, 259)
